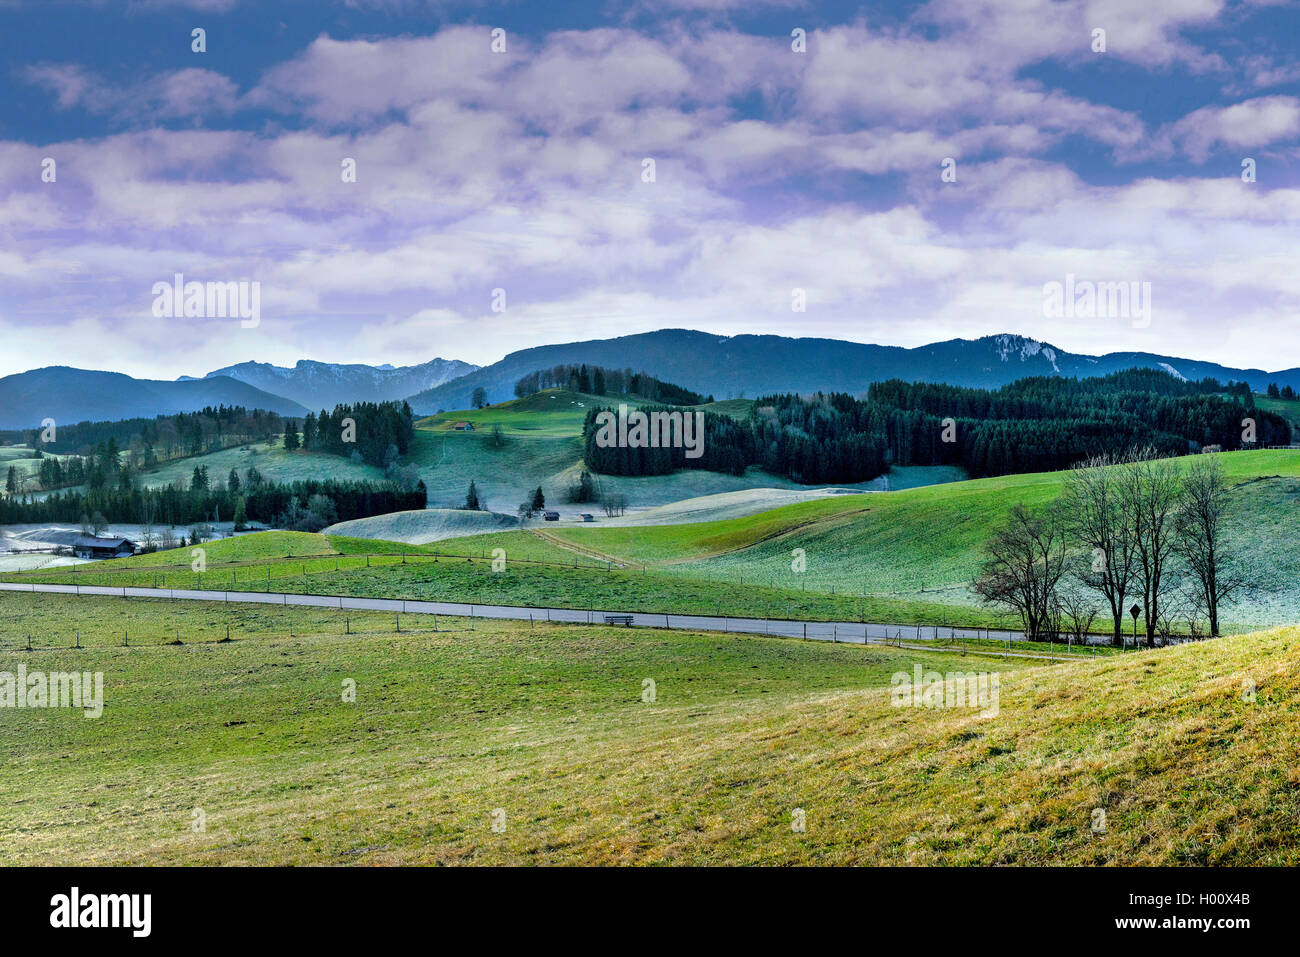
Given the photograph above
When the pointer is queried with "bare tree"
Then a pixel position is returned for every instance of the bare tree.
(1150, 491)
(148, 516)
(1194, 614)
(1093, 502)
(1216, 570)
(1078, 610)
(1023, 564)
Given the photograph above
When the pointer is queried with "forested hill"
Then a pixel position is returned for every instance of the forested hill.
(1034, 424)
(598, 380)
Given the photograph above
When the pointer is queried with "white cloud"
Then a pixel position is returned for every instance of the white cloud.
(1248, 125)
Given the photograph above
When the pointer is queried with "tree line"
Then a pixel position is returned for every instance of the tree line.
(149, 441)
(250, 496)
(377, 433)
(1129, 531)
(1034, 424)
(727, 447)
(598, 380)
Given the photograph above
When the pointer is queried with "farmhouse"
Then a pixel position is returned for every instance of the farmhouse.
(551, 516)
(88, 546)
(464, 426)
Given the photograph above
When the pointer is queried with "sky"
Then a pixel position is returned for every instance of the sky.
(538, 172)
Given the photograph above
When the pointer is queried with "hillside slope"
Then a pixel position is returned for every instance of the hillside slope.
(888, 544)
(1176, 756)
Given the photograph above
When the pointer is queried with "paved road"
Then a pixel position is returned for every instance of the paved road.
(849, 632)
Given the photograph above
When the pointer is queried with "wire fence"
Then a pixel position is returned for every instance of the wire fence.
(925, 637)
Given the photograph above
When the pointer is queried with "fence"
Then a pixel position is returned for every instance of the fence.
(845, 632)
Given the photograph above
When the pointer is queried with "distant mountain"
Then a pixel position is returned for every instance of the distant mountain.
(731, 366)
(69, 395)
(323, 385)
(726, 366)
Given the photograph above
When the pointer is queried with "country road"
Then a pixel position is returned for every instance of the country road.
(848, 632)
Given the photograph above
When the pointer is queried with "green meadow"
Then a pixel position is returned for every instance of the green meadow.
(903, 557)
(309, 738)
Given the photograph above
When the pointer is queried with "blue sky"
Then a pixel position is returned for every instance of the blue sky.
(776, 171)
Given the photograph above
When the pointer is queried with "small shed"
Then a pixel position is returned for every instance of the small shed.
(464, 426)
(551, 516)
(588, 517)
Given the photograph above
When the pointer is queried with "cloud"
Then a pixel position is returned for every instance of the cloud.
(1248, 125)
(179, 94)
(523, 170)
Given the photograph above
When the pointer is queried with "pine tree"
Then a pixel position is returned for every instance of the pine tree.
(471, 498)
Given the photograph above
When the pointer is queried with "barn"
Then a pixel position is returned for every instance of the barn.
(88, 546)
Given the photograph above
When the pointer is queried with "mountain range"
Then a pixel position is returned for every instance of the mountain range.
(724, 366)
(69, 395)
(323, 385)
(751, 365)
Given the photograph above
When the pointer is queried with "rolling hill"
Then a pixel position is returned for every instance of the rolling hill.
(873, 557)
(885, 544)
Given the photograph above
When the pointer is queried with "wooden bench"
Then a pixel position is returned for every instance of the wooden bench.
(619, 620)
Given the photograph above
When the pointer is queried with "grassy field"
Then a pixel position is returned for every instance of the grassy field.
(23, 460)
(567, 580)
(446, 727)
(551, 412)
(1187, 753)
(871, 557)
(1289, 409)
(923, 543)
